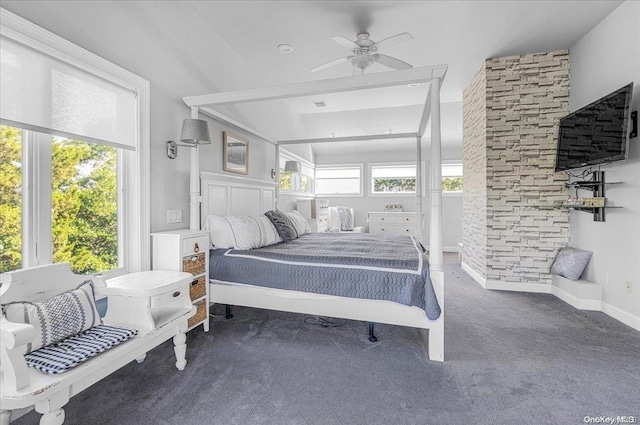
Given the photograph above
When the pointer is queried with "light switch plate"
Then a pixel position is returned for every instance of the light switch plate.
(174, 216)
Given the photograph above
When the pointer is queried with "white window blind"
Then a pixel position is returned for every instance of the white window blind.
(452, 170)
(393, 171)
(45, 94)
(339, 180)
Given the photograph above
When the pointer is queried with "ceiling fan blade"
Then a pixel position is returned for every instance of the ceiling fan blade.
(391, 62)
(394, 41)
(330, 64)
(345, 42)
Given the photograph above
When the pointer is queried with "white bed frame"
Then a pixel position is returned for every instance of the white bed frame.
(226, 195)
(223, 194)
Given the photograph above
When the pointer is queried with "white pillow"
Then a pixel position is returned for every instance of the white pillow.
(220, 233)
(252, 232)
(299, 222)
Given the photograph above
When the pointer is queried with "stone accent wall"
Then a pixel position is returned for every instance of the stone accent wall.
(474, 158)
(525, 98)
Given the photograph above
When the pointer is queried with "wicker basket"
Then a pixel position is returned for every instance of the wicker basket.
(197, 288)
(201, 314)
(194, 264)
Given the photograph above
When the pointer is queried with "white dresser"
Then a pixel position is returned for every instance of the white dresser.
(392, 223)
(316, 211)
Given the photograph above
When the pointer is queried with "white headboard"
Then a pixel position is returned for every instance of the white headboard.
(230, 195)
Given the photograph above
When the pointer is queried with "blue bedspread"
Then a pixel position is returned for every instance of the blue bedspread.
(360, 265)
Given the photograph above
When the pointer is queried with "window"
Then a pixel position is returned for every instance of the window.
(339, 180)
(74, 164)
(78, 181)
(300, 182)
(84, 205)
(393, 179)
(452, 177)
(10, 198)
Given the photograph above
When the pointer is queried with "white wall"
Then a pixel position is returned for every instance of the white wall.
(606, 59)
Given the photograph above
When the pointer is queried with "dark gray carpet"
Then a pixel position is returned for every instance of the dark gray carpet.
(511, 358)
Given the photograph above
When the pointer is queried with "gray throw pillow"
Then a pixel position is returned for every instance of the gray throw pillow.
(570, 263)
(283, 225)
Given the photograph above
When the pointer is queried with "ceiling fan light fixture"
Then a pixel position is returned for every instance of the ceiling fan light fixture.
(366, 52)
(285, 48)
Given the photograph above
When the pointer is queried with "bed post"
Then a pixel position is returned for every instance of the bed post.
(194, 182)
(419, 179)
(436, 329)
(277, 177)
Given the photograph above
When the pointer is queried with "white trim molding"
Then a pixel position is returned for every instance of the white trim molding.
(581, 295)
(474, 274)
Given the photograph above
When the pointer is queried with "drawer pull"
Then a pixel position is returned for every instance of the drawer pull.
(407, 219)
(196, 248)
(382, 230)
(194, 258)
(407, 230)
(382, 219)
(176, 294)
(194, 283)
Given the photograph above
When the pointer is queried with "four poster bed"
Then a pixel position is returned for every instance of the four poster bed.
(223, 195)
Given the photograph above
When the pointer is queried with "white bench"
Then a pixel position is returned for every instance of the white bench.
(156, 304)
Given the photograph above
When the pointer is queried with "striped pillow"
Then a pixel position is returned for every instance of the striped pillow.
(58, 317)
(64, 355)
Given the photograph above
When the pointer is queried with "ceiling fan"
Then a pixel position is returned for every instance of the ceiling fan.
(366, 52)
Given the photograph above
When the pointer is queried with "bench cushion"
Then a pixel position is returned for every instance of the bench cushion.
(64, 355)
(58, 317)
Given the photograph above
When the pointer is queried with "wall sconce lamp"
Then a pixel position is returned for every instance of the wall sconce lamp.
(194, 132)
(291, 167)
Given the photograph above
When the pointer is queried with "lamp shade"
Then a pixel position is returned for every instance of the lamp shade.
(291, 167)
(195, 131)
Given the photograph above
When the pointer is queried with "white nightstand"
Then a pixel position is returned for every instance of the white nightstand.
(186, 250)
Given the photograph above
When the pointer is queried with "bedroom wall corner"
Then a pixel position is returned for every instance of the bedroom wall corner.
(604, 60)
(474, 159)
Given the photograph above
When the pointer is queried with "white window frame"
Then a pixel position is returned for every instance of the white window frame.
(452, 162)
(134, 197)
(288, 156)
(359, 166)
(394, 194)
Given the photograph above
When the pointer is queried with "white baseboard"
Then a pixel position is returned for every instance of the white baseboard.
(576, 302)
(538, 288)
(474, 274)
(621, 315)
(565, 295)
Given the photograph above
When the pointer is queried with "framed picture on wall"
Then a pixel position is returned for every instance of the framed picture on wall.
(235, 154)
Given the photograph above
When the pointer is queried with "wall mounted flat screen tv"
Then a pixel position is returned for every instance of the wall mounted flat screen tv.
(597, 133)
